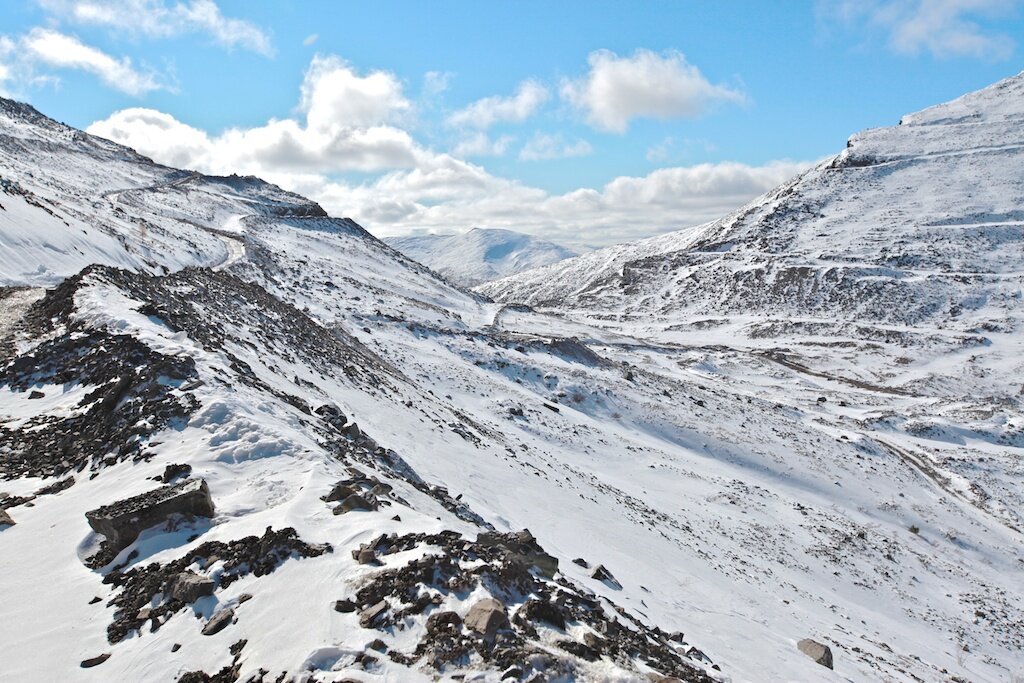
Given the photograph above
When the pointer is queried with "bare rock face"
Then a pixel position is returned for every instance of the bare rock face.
(5, 518)
(486, 617)
(123, 521)
(821, 654)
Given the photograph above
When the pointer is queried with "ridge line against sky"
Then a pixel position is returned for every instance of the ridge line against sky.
(585, 127)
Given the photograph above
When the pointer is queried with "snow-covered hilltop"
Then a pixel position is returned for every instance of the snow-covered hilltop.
(481, 254)
(255, 443)
(918, 222)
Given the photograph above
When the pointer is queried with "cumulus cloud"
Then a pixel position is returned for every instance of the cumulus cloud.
(160, 19)
(543, 146)
(943, 28)
(647, 84)
(479, 144)
(345, 129)
(484, 113)
(56, 49)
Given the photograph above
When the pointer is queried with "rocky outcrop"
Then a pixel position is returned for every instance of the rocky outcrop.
(122, 522)
(5, 519)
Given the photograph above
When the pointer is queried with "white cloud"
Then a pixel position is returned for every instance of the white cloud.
(484, 113)
(647, 84)
(943, 28)
(160, 19)
(333, 94)
(346, 124)
(479, 144)
(542, 146)
(63, 51)
(345, 129)
(436, 82)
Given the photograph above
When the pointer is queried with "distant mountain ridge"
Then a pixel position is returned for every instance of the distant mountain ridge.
(481, 254)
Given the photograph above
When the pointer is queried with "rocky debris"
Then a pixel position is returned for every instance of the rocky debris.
(5, 518)
(521, 546)
(486, 617)
(601, 573)
(123, 521)
(56, 487)
(174, 471)
(581, 562)
(821, 654)
(496, 564)
(189, 587)
(134, 395)
(218, 622)
(95, 661)
(257, 555)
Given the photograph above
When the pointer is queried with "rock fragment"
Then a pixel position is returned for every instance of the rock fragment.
(486, 617)
(218, 622)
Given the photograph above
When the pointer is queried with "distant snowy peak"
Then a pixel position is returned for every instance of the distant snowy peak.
(480, 255)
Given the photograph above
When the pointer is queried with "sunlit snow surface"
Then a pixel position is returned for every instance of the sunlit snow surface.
(694, 458)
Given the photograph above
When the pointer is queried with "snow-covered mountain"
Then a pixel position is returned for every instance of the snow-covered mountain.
(255, 443)
(481, 254)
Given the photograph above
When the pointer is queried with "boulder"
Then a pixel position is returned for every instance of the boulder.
(369, 615)
(344, 606)
(95, 661)
(366, 556)
(174, 471)
(354, 502)
(123, 521)
(486, 617)
(821, 654)
(218, 622)
(189, 587)
(5, 518)
(601, 573)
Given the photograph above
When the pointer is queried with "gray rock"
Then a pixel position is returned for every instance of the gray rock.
(218, 622)
(189, 587)
(123, 521)
(366, 556)
(601, 573)
(5, 518)
(486, 617)
(821, 654)
(354, 502)
(369, 615)
(522, 547)
(344, 606)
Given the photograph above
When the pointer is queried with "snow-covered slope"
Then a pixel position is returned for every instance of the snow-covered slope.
(480, 255)
(918, 223)
(292, 361)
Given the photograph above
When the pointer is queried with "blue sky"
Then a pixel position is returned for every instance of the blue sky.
(587, 122)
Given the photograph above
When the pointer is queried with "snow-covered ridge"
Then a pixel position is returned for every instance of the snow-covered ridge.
(480, 255)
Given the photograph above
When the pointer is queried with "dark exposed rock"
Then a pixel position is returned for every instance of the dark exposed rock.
(344, 606)
(237, 647)
(95, 661)
(173, 471)
(355, 502)
(523, 547)
(34, 395)
(581, 562)
(820, 653)
(579, 649)
(218, 622)
(601, 573)
(5, 518)
(134, 395)
(257, 555)
(123, 521)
